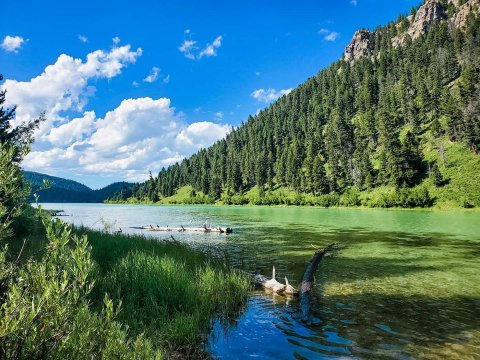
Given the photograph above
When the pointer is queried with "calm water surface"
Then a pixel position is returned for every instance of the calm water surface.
(405, 284)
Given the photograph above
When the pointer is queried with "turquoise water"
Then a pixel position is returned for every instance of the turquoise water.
(404, 284)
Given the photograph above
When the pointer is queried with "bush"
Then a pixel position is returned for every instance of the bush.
(350, 197)
(44, 307)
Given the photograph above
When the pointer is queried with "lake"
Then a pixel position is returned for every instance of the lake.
(404, 284)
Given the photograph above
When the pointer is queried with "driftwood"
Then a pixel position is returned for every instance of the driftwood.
(274, 285)
(307, 280)
(57, 213)
(304, 292)
(203, 229)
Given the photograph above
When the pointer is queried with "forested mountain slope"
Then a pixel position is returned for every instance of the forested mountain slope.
(395, 122)
(63, 190)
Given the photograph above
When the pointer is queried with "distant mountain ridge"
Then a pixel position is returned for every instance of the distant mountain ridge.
(64, 190)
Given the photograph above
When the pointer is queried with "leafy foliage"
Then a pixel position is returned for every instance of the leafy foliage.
(44, 306)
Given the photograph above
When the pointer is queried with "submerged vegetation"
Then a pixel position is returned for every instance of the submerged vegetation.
(388, 127)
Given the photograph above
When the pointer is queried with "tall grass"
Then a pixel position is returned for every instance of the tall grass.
(169, 292)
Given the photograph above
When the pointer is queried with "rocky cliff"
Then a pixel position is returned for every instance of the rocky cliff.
(430, 12)
(360, 46)
(460, 18)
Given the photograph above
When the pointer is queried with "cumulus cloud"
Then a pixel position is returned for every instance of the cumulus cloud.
(65, 85)
(12, 43)
(71, 131)
(140, 134)
(82, 38)
(201, 134)
(116, 40)
(190, 49)
(269, 95)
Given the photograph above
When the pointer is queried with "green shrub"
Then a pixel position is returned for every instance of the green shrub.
(44, 307)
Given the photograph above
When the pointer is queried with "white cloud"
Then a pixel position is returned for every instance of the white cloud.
(333, 36)
(64, 86)
(269, 95)
(258, 73)
(211, 49)
(12, 43)
(166, 79)
(82, 38)
(329, 35)
(187, 47)
(74, 130)
(116, 40)
(138, 135)
(354, 2)
(135, 84)
(218, 115)
(191, 50)
(153, 76)
(202, 134)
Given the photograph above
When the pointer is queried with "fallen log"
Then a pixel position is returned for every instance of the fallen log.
(204, 229)
(275, 286)
(270, 284)
(307, 281)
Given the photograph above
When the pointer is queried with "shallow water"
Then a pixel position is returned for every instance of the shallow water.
(404, 284)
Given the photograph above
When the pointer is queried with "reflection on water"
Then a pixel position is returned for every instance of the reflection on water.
(405, 284)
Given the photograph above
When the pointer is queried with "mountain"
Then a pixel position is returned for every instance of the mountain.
(69, 191)
(36, 181)
(395, 122)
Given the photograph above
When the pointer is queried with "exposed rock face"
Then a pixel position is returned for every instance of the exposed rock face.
(426, 15)
(460, 18)
(360, 46)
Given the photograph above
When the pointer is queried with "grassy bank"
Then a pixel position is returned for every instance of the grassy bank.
(77, 293)
(169, 292)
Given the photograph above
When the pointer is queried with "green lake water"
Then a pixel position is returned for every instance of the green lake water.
(403, 284)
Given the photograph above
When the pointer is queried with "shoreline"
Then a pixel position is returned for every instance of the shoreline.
(432, 208)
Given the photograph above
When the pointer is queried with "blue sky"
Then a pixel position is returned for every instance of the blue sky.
(143, 84)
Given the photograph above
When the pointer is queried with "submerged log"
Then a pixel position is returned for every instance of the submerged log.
(307, 280)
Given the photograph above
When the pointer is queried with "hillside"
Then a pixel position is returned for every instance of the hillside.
(62, 190)
(36, 181)
(395, 122)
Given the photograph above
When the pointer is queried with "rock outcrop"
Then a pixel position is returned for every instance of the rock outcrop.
(427, 14)
(460, 18)
(360, 46)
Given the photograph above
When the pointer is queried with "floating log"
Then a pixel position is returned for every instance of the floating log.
(57, 213)
(204, 229)
(307, 281)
